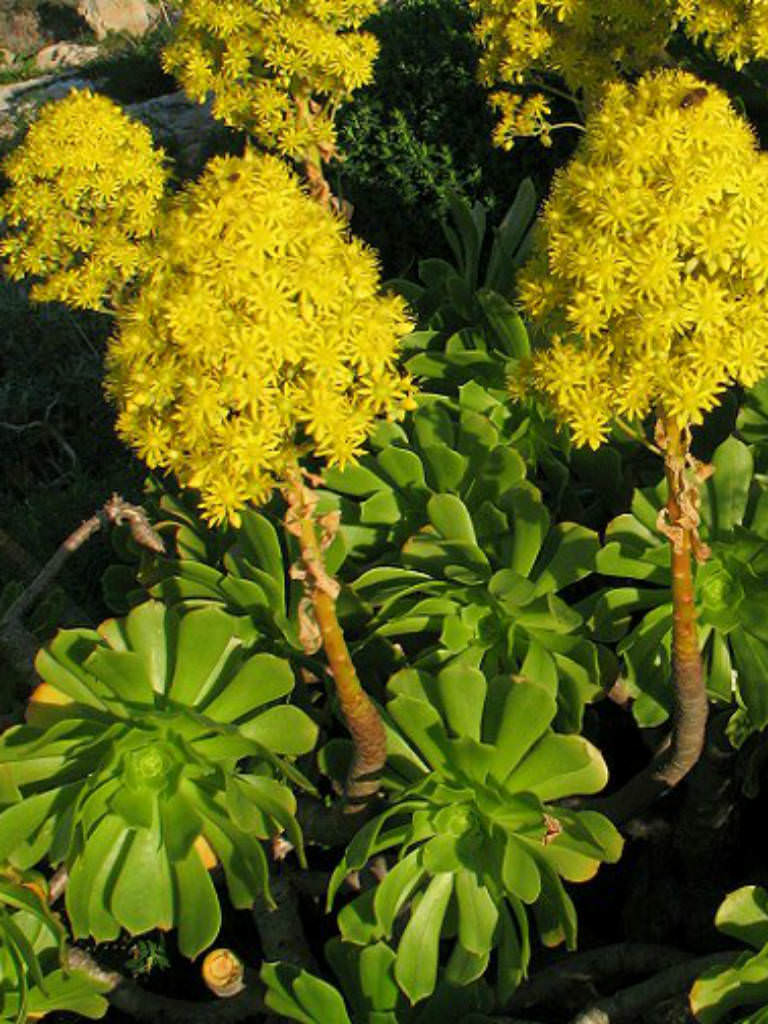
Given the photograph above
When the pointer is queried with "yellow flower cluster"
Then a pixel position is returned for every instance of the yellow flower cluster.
(736, 30)
(258, 334)
(649, 274)
(585, 42)
(277, 68)
(521, 116)
(86, 188)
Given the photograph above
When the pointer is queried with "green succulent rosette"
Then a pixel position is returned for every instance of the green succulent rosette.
(367, 992)
(731, 594)
(130, 771)
(244, 569)
(33, 979)
(466, 561)
(738, 991)
(474, 768)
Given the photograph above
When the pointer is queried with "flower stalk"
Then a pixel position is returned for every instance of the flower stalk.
(679, 522)
(358, 710)
(690, 714)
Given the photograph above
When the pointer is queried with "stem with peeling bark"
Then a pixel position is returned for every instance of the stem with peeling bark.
(689, 720)
(360, 713)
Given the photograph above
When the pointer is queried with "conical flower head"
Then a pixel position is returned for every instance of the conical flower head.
(649, 275)
(276, 68)
(258, 335)
(86, 189)
(736, 30)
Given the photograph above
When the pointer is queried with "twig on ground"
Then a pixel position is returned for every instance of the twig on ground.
(17, 643)
(137, 1002)
(547, 985)
(630, 1002)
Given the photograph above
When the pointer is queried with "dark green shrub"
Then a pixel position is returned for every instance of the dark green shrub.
(422, 130)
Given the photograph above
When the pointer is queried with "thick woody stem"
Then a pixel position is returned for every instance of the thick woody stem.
(360, 714)
(691, 706)
(683, 747)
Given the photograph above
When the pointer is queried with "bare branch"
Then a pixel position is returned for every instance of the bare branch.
(137, 1002)
(624, 958)
(630, 1002)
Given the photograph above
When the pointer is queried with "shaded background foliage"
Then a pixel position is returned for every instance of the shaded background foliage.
(423, 129)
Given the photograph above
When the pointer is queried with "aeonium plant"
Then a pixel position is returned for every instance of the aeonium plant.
(474, 773)
(256, 337)
(130, 771)
(467, 564)
(647, 284)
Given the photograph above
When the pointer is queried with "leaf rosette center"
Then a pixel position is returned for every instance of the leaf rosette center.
(150, 767)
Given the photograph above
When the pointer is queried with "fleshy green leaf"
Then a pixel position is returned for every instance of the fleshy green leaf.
(285, 729)
(416, 963)
(197, 907)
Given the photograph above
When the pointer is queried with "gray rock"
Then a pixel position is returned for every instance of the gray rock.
(185, 129)
(20, 100)
(132, 16)
(59, 55)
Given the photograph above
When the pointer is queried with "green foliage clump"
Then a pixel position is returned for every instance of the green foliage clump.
(127, 771)
(474, 767)
(420, 132)
(466, 564)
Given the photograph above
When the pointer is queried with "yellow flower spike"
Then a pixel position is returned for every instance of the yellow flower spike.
(622, 281)
(265, 338)
(585, 42)
(591, 43)
(261, 58)
(86, 188)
